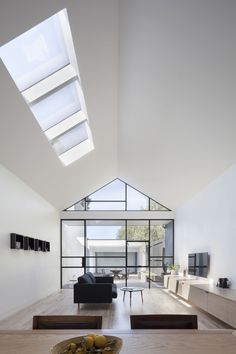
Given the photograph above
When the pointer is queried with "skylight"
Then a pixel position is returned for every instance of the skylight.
(40, 52)
(70, 139)
(56, 106)
(46, 73)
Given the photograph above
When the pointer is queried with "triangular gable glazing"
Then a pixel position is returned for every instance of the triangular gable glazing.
(118, 195)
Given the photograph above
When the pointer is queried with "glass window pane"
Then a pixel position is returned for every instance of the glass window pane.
(57, 106)
(97, 271)
(138, 276)
(72, 262)
(102, 239)
(156, 206)
(78, 206)
(105, 205)
(157, 231)
(101, 271)
(110, 261)
(72, 238)
(137, 230)
(136, 200)
(111, 253)
(167, 261)
(156, 275)
(40, 52)
(156, 262)
(137, 254)
(157, 239)
(105, 230)
(113, 191)
(110, 245)
(161, 238)
(70, 276)
(70, 139)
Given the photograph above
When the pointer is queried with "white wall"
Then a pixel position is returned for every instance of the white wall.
(176, 95)
(26, 276)
(208, 223)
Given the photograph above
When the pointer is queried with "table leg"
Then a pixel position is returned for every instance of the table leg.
(130, 297)
(142, 295)
(124, 296)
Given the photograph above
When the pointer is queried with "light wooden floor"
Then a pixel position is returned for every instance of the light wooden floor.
(115, 315)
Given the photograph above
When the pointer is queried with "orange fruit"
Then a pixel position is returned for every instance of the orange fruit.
(100, 341)
(93, 335)
(89, 342)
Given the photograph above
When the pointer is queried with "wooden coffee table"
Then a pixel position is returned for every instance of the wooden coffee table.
(131, 290)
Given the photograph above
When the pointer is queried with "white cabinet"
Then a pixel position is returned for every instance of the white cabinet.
(231, 311)
(219, 302)
(172, 284)
(183, 289)
(217, 306)
(198, 297)
(166, 281)
(181, 285)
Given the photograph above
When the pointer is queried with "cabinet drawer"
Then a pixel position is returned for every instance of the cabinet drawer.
(166, 281)
(231, 310)
(217, 306)
(183, 289)
(198, 297)
(172, 285)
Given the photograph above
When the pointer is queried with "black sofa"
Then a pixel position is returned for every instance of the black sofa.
(91, 289)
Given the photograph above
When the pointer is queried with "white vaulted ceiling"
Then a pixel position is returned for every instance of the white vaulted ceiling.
(159, 83)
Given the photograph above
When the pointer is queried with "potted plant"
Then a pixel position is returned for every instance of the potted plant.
(172, 268)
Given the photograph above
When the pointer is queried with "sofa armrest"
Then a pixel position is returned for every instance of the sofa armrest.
(93, 293)
(104, 279)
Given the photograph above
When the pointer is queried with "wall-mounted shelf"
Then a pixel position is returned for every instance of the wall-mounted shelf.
(28, 243)
(47, 246)
(36, 245)
(40, 245)
(17, 241)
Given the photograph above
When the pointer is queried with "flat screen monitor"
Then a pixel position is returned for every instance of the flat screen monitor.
(198, 264)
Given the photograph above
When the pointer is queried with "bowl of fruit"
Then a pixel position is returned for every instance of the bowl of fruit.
(89, 344)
